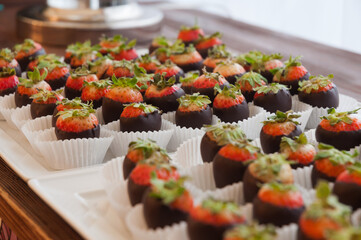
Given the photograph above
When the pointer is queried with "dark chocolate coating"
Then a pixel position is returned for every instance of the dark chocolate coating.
(316, 175)
(90, 133)
(300, 165)
(267, 213)
(111, 109)
(248, 95)
(191, 66)
(232, 114)
(159, 215)
(71, 93)
(293, 85)
(152, 48)
(187, 89)
(227, 171)
(250, 186)
(8, 91)
(59, 82)
(136, 191)
(324, 99)
(23, 62)
(203, 231)
(348, 193)
(177, 76)
(195, 119)
(41, 109)
(17, 70)
(22, 99)
(272, 102)
(268, 75)
(149, 122)
(167, 103)
(204, 52)
(67, 60)
(96, 103)
(343, 140)
(128, 166)
(208, 68)
(207, 91)
(271, 144)
(209, 149)
(233, 78)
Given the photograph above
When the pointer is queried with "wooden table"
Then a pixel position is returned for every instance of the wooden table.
(31, 218)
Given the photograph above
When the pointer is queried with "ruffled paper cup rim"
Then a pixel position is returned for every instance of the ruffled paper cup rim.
(188, 154)
(20, 116)
(7, 107)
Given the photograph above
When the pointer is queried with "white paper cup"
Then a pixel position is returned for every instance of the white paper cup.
(288, 232)
(189, 153)
(1, 115)
(356, 218)
(253, 125)
(302, 177)
(73, 153)
(7, 107)
(99, 114)
(119, 147)
(20, 116)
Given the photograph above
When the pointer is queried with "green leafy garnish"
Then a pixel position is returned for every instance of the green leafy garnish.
(273, 87)
(347, 233)
(269, 165)
(125, 46)
(78, 113)
(314, 83)
(124, 64)
(114, 39)
(7, 55)
(7, 72)
(294, 143)
(232, 91)
(245, 144)
(44, 95)
(280, 187)
(210, 75)
(73, 103)
(254, 79)
(26, 46)
(124, 82)
(221, 207)
(80, 49)
(189, 78)
(161, 41)
(252, 231)
(335, 117)
(148, 148)
(159, 80)
(224, 133)
(335, 156)
(147, 108)
(79, 72)
(249, 58)
(281, 117)
(219, 52)
(146, 58)
(101, 84)
(33, 78)
(206, 38)
(354, 168)
(194, 99)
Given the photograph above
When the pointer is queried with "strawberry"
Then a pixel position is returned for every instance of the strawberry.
(44, 102)
(229, 104)
(170, 70)
(247, 60)
(193, 111)
(215, 55)
(190, 34)
(251, 231)
(95, 91)
(123, 91)
(298, 150)
(26, 51)
(77, 123)
(187, 58)
(291, 74)
(144, 79)
(231, 162)
(339, 129)
(83, 52)
(352, 174)
(108, 44)
(71, 50)
(75, 82)
(205, 43)
(188, 80)
(125, 51)
(149, 63)
(163, 93)
(319, 91)
(30, 86)
(120, 69)
(230, 70)
(282, 195)
(330, 163)
(58, 71)
(7, 59)
(158, 42)
(323, 215)
(100, 66)
(248, 82)
(274, 97)
(66, 104)
(43, 58)
(8, 81)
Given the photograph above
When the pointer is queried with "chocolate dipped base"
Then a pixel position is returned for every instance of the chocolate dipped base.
(232, 114)
(323, 99)
(41, 109)
(250, 186)
(136, 191)
(167, 103)
(90, 133)
(191, 66)
(227, 171)
(149, 122)
(159, 215)
(152, 48)
(348, 193)
(343, 140)
(293, 85)
(128, 166)
(248, 95)
(8, 91)
(111, 109)
(268, 75)
(209, 148)
(194, 119)
(58, 82)
(202, 231)
(300, 165)
(96, 103)
(317, 175)
(208, 68)
(232, 79)
(272, 102)
(24, 62)
(17, 70)
(187, 89)
(71, 93)
(207, 91)
(22, 99)
(204, 52)
(267, 213)
(302, 236)
(177, 76)
(271, 144)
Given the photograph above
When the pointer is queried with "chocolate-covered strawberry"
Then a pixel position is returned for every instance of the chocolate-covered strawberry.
(298, 151)
(273, 97)
(163, 93)
(231, 162)
(265, 169)
(82, 54)
(150, 64)
(166, 202)
(125, 51)
(77, 123)
(27, 51)
(291, 74)
(108, 44)
(340, 129)
(281, 124)
(205, 84)
(347, 233)
(212, 218)
(230, 70)
(95, 91)
(8, 81)
(205, 43)
(100, 66)
(29, 86)
(323, 215)
(330, 163)
(144, 79)
(251, 231)
(216, 137)
(122, 91)
(190, 35)
(348, 186)
(216, 55)
(58, 72)
(248, 59)
(51, 57)
(66, 104)
(193, 111)
(229, 104)
(70, 50)
(319, 91)
(170, 70)
(278, 204)
(44, 102)
(188, 80)
(75, 81)
(7, 60)
(187, 58)
(139, 179)
(139, 117)
(140, 150)
(122, 68)
(248, 82)
(158, 42)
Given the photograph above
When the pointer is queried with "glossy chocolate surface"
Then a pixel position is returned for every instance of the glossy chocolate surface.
(194, 119)
(271, 144)
(149, 122)
(90, 133)
(232, 114)
(272, 102)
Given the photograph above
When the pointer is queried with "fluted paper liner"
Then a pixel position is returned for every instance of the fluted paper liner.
(1, 115)
(139, 230)
(288, 232)
(346, 104)
(253, 125)
(99, 114)
(356, 218)
(20, 116)
(189, 153)
(119, 147)
(7, 107)
(73, 153)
